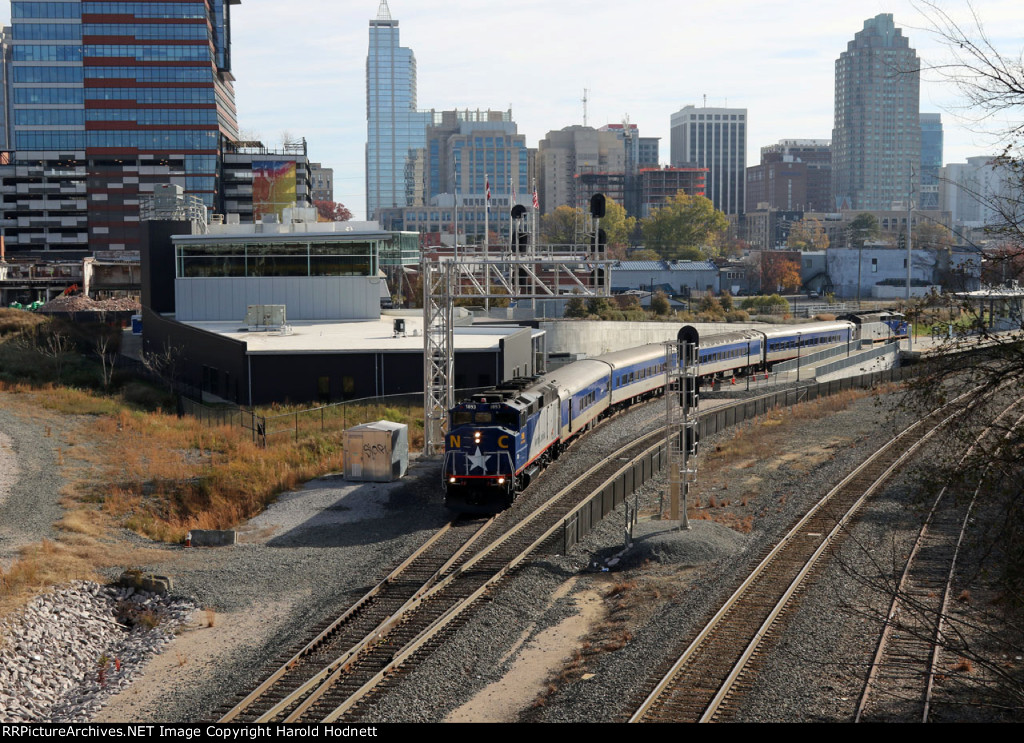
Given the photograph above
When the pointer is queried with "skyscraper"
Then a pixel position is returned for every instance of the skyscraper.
(716, 139)
(109, 101)
(931, 161)
(877, 135)
(394, 128)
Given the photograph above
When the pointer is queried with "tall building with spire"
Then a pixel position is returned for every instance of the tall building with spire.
(877, 136)
(395, 130)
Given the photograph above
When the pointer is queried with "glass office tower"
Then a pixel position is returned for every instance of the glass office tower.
(394, 128)
(111, 99)
(931, 161)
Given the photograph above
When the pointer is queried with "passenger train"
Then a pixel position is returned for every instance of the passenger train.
(499, 441)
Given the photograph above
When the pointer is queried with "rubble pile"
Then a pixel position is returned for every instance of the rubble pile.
(82, 303)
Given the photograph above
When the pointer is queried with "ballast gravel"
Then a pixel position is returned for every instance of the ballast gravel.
(322, 547)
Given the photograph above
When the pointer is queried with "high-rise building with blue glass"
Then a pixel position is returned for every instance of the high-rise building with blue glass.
(931, 161)
(110, 100)
(395, 130)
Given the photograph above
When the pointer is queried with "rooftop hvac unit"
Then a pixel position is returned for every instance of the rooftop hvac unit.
(265, 316)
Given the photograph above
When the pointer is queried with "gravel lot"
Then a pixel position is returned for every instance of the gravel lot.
(30, 480)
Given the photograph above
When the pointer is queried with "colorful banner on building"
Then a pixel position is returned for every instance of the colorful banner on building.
(273, 187)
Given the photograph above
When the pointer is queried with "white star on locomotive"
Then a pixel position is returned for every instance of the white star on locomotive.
(478, 460)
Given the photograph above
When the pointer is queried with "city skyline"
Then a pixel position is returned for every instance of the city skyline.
(753, 57)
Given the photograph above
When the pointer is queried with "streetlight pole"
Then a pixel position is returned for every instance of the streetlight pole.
(910, 256)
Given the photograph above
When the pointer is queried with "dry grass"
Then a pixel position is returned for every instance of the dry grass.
(963, 665)
(620, 587)
(161, 476)
(13, 322)
(149, 472)
(211, 617)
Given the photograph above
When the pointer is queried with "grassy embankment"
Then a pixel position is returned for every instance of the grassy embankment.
(128, 464)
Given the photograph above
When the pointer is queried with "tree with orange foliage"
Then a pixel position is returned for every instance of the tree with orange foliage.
(779, 271)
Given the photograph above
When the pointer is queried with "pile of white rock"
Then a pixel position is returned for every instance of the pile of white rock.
(69, 650)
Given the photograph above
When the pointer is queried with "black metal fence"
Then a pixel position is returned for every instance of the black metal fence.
(296, 424)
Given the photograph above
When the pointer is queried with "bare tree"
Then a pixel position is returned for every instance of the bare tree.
(991, 81)
(51, 341)
(164, 364)
(107, 345)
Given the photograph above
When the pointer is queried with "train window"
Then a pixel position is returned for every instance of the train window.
(505, 419)
(461, 418)
(484, 418)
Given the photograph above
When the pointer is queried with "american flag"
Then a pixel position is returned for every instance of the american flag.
(487, 188)
(536, 201)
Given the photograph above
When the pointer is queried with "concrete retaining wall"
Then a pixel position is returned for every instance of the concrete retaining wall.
(596, 338)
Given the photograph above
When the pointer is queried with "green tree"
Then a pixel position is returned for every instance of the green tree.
(660, 304)
(598, 306)
(864, 227)
(619, 228)
(932, 235)
(645, 255)
(682, 226)
(576, 307)
(807, 234)
(559, 227)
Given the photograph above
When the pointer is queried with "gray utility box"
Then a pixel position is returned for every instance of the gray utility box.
(376, 452)
(266, 315)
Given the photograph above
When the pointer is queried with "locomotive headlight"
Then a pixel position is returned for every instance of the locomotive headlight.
(451, 480)
(476, 436)
(501, 480)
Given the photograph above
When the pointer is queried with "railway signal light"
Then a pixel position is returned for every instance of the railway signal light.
(689, 398)
(692, 440)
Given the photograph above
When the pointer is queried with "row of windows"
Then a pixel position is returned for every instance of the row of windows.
(49, 117)
(587, 400)
(636, 376)
(734, 353)
(152, 95)
(148, 30)
(151, 53)
(46, 10)
(50, 96)
(47, 53)
(48, 31)
(148, 10)
(48, 74)
(147, 140)
(151, 74)
(804, 342)
(241, 260)
(154, 116)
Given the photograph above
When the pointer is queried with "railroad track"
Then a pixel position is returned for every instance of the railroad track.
(709, 676)
(407, 614)
(901, 680)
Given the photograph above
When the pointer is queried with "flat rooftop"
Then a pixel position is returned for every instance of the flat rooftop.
(353, 336)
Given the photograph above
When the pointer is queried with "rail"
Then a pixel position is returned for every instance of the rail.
(582, 520)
